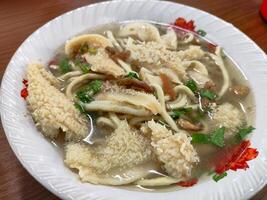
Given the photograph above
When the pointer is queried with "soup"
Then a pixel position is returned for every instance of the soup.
(164, 105)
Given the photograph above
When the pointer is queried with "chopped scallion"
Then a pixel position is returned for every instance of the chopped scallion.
(85, 94)
(80, 108)
(218, 177)
(64, 65)
(192, 85)
(217, 137)
(84, 48)
(243, 132)
(179, 112)
(207, 94)
(202, 32)
(92, 50)
(83, 65)
(132, 75)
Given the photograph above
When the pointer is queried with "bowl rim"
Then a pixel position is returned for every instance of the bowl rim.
(25, 165)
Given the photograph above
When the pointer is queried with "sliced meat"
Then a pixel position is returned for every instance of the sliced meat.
(167, 86)
(187, 125)
(115, 55)
(135, 84)
(209, 85)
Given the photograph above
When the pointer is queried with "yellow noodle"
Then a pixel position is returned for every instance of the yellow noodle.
(112, 106)
(163, 111)
(125, 66)
(219, 61)
(136, 120)
(69, 75)
(114, 118)
(188, 39)
(181, 100)
(198, 66)
(113, 40)
(159, 181)
(105, 121)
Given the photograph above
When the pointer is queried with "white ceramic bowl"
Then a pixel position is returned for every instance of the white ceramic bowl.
(44, 162)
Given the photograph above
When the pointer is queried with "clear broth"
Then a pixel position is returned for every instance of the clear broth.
(205, 152)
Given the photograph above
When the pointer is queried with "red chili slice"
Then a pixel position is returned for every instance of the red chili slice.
(167, 86)
(187, 183)
(211, 47)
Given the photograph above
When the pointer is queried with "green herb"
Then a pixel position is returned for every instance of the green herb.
(92, 50)
(84, 48)
(95, 86)
(80, 107)
(207, 94)
(192, 85)
(217, 137)
(85, 94)
(64, 65)
(132, 75)
(218, 177)
(179, 112)
(202, 32)
(85, 67)
(200, 138)
(243, 132)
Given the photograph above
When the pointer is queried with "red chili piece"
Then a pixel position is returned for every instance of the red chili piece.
(211, 47)
(187, 183)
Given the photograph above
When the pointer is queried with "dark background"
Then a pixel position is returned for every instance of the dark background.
(19, 18)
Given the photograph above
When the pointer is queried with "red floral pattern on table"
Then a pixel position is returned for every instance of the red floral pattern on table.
(190, 25)
(24, 91)
(25, 82)
(182, 23)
